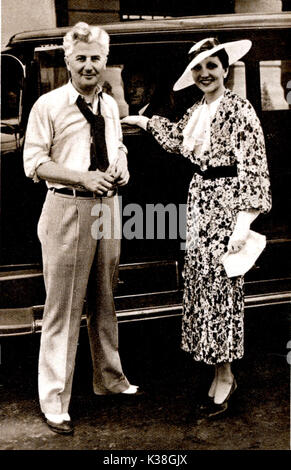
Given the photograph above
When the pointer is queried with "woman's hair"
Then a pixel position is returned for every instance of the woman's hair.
(221, 54)
(85, 33)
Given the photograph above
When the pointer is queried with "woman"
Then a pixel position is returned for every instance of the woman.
(222, 137)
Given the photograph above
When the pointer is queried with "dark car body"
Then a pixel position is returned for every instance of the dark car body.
(150, 281)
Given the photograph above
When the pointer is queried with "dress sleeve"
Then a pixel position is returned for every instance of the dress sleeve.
(168, 134)
(253, 173)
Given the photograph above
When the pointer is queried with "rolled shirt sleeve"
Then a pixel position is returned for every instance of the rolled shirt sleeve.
(38, 139)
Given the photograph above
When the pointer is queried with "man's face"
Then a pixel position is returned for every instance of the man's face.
(86, 63)
(138, 92)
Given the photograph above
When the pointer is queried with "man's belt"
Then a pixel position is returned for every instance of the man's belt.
(214, 172)
(76, 193)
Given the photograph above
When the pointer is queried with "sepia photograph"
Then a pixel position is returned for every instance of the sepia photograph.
(145, 231)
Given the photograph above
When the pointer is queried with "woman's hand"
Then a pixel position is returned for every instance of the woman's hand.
(140, 121)
(238, 239)
(241, 230)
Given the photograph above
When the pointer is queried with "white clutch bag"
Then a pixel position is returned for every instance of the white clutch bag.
(237, 264)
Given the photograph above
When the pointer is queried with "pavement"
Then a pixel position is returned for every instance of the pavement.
(167, 417)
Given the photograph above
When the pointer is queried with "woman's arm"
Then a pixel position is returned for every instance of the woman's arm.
(253, 176)
(140, 121)
(168, 134)
(252, 165)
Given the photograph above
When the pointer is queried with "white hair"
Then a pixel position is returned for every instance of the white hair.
(86, 33)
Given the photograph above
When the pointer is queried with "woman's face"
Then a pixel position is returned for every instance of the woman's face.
(209, 76)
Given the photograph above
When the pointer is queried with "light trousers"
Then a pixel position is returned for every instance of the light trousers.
(76, 263)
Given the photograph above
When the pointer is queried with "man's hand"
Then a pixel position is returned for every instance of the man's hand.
(98, 182)
(118, 170)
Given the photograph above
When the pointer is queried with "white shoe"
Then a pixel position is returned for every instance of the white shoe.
(131, 390)
(223, 391)
(58, 418)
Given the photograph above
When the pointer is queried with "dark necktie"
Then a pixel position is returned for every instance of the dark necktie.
(98, 150)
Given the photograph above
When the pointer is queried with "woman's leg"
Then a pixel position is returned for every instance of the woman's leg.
(211, 391)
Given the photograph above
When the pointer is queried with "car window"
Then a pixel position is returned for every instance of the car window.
(52, 69)
(113, 85)
(237, 79)
(275, 79)
(12, 73)
(275, 84)
(12, 80)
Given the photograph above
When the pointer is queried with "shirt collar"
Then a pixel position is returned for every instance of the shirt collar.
(73, 93)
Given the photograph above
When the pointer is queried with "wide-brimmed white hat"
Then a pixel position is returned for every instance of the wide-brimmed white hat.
(235, 51)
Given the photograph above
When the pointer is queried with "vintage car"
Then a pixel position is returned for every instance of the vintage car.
(153, 204)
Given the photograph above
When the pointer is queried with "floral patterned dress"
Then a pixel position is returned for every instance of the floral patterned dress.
(213, 304)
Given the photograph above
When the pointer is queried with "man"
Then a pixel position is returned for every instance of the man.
(80, 172)
(148, 92)
(139, 87)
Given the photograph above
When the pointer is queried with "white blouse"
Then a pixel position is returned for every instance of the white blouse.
(197, 132)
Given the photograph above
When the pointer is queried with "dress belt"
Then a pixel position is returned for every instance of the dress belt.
(76, 193)
(214, 172)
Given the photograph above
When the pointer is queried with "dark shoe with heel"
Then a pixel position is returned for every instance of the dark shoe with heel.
(208, 410)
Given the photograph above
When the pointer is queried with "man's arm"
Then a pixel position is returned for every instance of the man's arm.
(119, 169)
(95, 181)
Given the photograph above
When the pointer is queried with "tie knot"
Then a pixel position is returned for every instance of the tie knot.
(85, 110)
